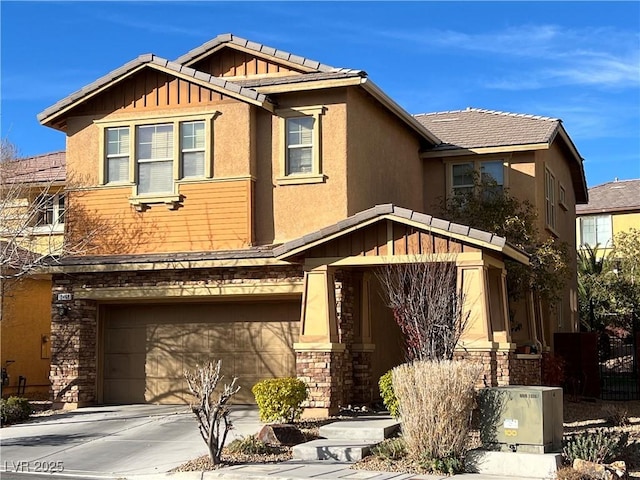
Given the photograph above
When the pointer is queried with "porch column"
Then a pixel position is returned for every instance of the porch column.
(319, 353)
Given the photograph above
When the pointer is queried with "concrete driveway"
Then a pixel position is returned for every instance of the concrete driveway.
(114, 440)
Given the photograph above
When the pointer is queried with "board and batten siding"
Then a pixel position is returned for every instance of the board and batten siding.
(150, 90)
(212, 216)
(233, 63)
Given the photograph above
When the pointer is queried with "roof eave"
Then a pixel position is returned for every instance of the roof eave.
(582, 183)
(457, 151)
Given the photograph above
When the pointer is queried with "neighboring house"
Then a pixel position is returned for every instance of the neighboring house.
(613, 207)
(249, 196)
(33, 220)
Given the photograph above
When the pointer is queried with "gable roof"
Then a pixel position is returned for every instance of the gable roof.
(617, 196)
(476, 130)
(152, 61)
(46, 168)
(402, 215)
(233, 41)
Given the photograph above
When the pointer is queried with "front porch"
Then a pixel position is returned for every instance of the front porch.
(348, 336)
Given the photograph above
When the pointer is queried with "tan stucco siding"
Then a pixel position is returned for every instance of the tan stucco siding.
(214, 215)
(229, 62)
(383, 157)
(303, 208)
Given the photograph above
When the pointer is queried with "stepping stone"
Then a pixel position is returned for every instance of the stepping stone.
(361, 431)
(333, 450)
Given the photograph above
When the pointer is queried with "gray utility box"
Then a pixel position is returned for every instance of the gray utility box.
(521, 419)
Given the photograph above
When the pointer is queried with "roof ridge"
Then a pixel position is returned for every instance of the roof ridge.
(42, 155)
(492, 112)
(256, 47)
(613, 182)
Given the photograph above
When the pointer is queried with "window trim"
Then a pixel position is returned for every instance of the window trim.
(316, 175)
(477, 164)
(562, 197)
(171, 199)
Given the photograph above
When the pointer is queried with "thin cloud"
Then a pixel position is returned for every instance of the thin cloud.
(152, 27)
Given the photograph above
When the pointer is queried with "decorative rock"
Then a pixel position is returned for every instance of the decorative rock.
(614, 471)
(281, 434)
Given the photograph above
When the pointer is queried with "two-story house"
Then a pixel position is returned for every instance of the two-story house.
(613, 207)
(32, 226)
(250, 195)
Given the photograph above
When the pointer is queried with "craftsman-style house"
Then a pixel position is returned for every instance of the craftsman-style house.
(250, 195)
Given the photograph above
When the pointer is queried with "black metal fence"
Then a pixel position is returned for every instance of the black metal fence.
(619, 367)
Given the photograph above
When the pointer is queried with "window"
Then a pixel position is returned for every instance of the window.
(462, 178)
(192, 142)
(550, 199)
(596, 230)
(154, 149)
(153, 156)
(117, 168)
(301, 145)
(50, 210)
(491, 174)
(562, 201)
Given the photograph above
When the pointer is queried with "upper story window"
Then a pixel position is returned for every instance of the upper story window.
(192, 148)
(152, 156)
(562, 201)
(117, 167)
(301, 145)
(596, 230)
(550, 199)
(50, 210)
(490, 174)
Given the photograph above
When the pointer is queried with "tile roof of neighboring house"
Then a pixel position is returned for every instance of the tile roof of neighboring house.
(229, 38)
(307, 77)
(151, 59)
(476, 128)
(617, 196)
(403, 213)
(45, 168)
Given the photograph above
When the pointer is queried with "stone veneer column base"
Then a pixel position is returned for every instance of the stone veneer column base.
(363, 383)
(321, 367)
(505, 367)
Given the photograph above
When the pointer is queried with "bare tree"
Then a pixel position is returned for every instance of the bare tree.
(427, 304)
(211, 410)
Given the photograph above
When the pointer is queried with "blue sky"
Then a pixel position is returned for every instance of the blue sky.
(578, 61)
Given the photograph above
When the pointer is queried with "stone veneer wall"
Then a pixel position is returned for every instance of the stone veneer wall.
(505, 368)
(362, 379)
(74, 335)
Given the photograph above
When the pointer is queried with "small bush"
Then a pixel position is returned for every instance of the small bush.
(450, 464)
(568, 473)
(280, 399)
(436, 399)
(600, 446)
(390, 449)
(388, 396)
(15, 409)
(249, 446)
(616, 415)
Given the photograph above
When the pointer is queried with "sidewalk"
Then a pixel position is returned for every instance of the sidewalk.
(296, 470)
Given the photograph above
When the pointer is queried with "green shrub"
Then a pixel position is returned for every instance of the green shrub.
(249, 446)
(15, 409)
(280, 399)
(388, 396)
(390, 449)
(600, 446)
(449, 464)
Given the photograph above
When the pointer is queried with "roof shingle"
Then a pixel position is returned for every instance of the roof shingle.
(614, 196)
(476, 128)
(45, 168)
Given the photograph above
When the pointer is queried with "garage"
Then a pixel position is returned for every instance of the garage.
(146, 348)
